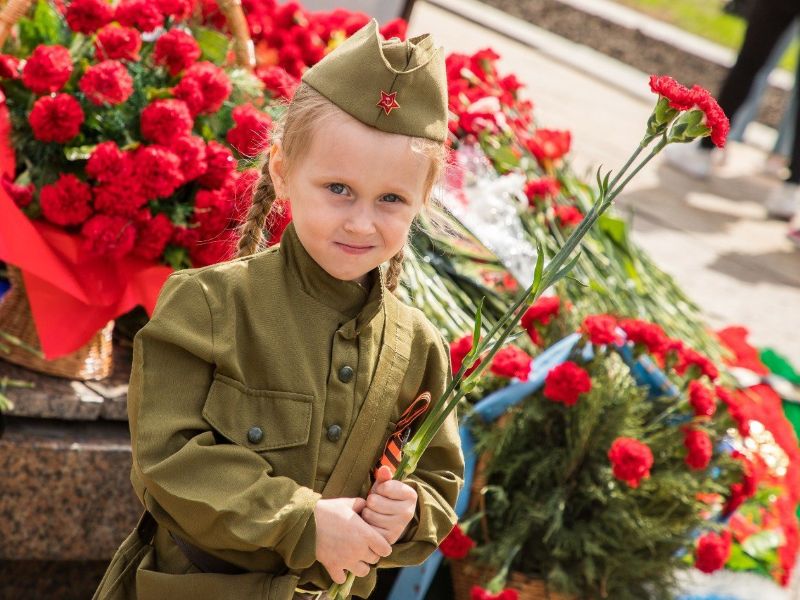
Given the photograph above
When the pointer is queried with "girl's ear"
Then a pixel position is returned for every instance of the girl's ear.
(276, 169)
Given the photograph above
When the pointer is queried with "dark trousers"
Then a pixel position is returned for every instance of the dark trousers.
(768, 20)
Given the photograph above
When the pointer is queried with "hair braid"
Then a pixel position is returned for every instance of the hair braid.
(251, 236)
(394, 270)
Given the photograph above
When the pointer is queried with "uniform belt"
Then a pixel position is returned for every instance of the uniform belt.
(207, 563)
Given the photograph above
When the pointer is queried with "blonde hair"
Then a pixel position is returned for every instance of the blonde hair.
(293, 128)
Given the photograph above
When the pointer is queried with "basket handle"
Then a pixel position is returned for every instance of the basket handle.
(243, 47)
(10, 14)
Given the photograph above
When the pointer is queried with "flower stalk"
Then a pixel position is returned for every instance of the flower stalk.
(667, 124)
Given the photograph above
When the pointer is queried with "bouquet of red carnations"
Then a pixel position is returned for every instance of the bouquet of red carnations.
(126, 138)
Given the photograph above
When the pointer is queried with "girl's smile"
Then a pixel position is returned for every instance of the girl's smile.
(353, 249)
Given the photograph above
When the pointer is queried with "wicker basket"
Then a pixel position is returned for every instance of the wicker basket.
(91, 361)
(466, 574)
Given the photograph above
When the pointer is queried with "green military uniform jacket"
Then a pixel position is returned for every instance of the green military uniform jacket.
(259, 386)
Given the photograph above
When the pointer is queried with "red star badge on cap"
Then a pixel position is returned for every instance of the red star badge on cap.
(388, 102)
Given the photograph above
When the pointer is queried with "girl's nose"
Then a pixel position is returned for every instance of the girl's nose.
(360, 222)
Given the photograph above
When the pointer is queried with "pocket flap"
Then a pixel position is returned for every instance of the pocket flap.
(256, 418)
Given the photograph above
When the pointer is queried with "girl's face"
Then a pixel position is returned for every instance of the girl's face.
(353, 193)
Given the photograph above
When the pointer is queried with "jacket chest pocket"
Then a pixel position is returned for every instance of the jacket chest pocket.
(261, 420)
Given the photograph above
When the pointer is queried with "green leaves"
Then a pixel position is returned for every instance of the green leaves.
(661, 117)
(476, 332)
(688, 126)
(213, 44)
(45, 27)
(177, 257)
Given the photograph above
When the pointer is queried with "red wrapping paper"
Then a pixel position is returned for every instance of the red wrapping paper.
(72, 296)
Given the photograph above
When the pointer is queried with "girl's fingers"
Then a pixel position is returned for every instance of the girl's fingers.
(395, 490)
(361, 569)
(384, 505)
(377, 519)
(376, 541)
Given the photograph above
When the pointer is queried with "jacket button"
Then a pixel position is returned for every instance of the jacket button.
(345, 374)
(255, 435)
(334, 433)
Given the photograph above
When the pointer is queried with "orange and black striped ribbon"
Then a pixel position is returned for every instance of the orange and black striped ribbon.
(393, 451)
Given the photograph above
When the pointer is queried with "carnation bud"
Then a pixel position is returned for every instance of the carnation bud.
(688, 126)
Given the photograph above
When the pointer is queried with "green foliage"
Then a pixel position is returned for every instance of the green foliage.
(551, 492)
(44, 27)
(213, 44)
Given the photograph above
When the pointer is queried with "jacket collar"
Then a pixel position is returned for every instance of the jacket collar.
(347, 297)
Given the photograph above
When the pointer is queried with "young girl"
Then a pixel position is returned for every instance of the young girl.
(264, 389)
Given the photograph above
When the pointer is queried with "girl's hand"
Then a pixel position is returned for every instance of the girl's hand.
(344, 541)
(391, 505)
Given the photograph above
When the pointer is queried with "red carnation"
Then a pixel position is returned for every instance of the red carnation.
(105, 235)
(121, 197)
(699, 448)
(565, 382)
(251, 133)
(679, 97)
(457, 544)
(279, 83)
(105, 163)
(395, 28)
(458, 351)
(601, 329)
(702, 399)
(690, 358)
(22, 195)
(544, 188)
(649, 335)
(158, 170)
(736, 402)
(244, 186)
(218, 248)
(177, 50)
(204, 88)
(712, 551)
(478, 593)
(220, 165)
(279, 217)
(87, 16)
(744, 489)
(117, 43)
(212, 210)
(153, 236)
(107, 82)
(682, 98)
(56, 118)
(715, 116)
(511, 362)
(141, 14)
(541, 311)
(568, 216)
(164, 120)
(67, 201)
(9, 67)
(185, 237)
(178, 9)
(191, 150)
(631, 460)
(549, 144)
(47, 69)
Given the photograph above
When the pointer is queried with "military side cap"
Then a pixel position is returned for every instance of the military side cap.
(393, 85)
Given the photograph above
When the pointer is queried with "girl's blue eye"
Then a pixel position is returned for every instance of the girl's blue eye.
(337, 188)
(397, 199)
